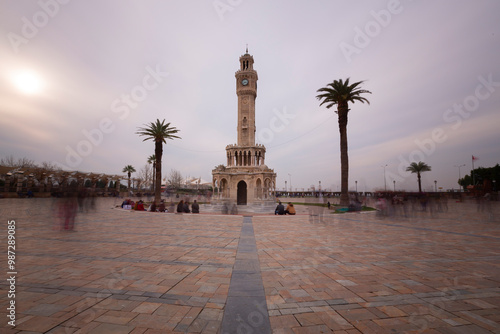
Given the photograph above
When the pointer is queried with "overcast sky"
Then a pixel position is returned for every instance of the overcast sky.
(98, 70)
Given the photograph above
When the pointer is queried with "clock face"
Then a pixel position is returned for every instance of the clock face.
(244, 82)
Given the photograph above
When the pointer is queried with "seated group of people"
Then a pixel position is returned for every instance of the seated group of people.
(159, 208)
(280, 209)
(183, 207)
(139, 206)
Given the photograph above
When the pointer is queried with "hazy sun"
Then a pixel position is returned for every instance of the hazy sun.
(28, 82)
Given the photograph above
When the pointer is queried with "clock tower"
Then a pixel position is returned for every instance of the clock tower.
(245, 179)
(246, 89)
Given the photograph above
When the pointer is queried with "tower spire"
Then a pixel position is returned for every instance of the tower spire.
(247, 49)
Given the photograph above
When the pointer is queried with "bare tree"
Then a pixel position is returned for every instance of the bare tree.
(146, 174)
(174, 179)
(10, 161)
(50, 167)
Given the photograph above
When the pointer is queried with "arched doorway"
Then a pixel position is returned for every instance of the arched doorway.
(242, 193)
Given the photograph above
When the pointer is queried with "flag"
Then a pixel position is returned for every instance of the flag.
(474, 158)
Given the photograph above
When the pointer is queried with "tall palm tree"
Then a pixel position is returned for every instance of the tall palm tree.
(417, 168)
(129, 169)
(158, 132)
(152, 160)
(340, 93)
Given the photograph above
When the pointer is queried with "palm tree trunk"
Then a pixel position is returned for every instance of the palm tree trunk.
(344, 158)
(419, 183)
(154, 174)
(158, 154)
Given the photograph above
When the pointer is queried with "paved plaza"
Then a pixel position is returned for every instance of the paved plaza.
(122, 271)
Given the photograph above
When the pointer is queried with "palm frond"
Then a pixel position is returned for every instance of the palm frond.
(158, 131)
(339, 92)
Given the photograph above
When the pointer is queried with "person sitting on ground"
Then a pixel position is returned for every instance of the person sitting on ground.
(290, 209)
(152, 207)
(195, 207)
(186, 207)
(180, 206)
(280, 209)
(140, 206)
(126, 202)
(161, 207)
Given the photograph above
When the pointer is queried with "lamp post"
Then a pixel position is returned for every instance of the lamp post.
(459, 175)
(356, 186)
(394, 181)
(435, 186)
(290, 176)
(385, 184)
(285, 185)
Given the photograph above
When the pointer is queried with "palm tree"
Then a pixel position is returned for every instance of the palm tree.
(152, 160)
(418, 168)
(129, 169)
(158, 132)
(340, 93)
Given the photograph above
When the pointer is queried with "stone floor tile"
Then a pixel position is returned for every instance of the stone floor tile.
(45, 310)
(283, 321)
(356, 314)
(117, 317)
(38, 324)
(111, 329)
(151, 321)
(146, 307)
(312, 329)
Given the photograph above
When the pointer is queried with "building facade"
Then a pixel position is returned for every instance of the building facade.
(245, 179)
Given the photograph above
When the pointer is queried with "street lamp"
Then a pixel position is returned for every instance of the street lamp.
(356, 186)
(435, 186)
(394, 181)
(290, 176)
(460, 176)
(285, 185)
(385, 184)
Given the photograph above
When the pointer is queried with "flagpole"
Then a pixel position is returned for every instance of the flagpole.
(473, 176)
